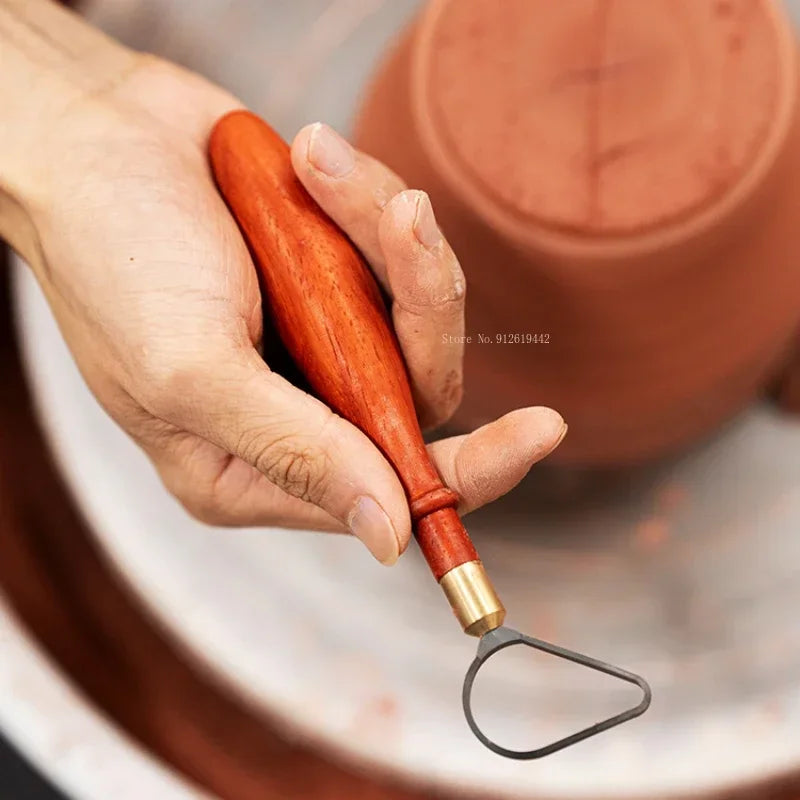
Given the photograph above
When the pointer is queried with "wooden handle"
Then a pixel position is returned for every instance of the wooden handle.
(330, 315)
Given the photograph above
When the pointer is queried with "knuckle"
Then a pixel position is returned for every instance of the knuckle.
(459, 289)
(201, 505)
(216, 510)
(425, 305)
(204, 508)
(197, 492)
(216, 500)
(448, 302)
(297, 467)
(454, 291)
(443, 297)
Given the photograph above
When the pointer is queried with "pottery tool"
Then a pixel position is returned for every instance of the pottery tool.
(328, 310)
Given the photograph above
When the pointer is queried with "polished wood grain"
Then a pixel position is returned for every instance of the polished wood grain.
(69, 597)
(329, 313)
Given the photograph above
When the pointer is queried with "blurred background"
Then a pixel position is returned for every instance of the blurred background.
(621, 180)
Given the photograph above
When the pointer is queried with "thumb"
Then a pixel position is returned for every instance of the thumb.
(302, 447)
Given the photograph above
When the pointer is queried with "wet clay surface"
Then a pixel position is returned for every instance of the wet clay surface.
(637, 210)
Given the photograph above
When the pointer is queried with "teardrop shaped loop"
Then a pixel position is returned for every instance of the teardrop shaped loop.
(501, 638)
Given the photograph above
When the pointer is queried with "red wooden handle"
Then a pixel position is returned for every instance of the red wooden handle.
(330, 315)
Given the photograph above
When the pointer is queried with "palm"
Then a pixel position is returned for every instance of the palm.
(155, 292)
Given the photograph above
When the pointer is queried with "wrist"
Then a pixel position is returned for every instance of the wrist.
(50, 62)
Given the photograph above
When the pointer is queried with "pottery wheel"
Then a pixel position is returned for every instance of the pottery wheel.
(688, 573)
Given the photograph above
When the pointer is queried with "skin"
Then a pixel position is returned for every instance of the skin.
(106, 193)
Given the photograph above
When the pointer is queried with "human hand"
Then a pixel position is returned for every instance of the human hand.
(155, 293)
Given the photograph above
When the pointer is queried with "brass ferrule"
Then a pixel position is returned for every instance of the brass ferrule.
(473, 598)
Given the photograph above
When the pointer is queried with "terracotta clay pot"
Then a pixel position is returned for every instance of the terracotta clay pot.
(622, 177)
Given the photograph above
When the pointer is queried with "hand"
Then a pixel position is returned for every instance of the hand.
(156, 295)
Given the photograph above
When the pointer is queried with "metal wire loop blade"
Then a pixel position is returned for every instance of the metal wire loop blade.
(500, 638)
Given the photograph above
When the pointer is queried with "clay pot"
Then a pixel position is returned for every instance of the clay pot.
(620, 177)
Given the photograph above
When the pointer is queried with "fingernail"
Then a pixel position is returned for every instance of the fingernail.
(370, 523)
(329, 153)
(561, 436)
(425, 228)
